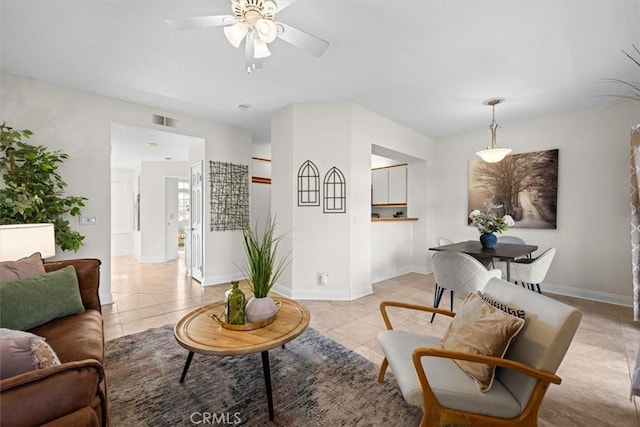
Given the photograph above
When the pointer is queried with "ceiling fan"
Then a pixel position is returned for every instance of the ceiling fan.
(254, 22)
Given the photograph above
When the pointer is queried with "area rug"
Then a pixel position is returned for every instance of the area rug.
(316, 382)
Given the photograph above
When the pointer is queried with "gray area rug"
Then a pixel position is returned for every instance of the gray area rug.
(316, 382)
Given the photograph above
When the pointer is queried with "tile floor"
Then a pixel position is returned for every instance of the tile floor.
(597, 366)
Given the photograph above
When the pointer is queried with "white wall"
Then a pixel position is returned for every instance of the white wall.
(393, 140)
(79, 123)
(339, 135)
(122, 181)
(593, 258)
(320, 242)
(260, 193)
(223, 250)
(152, 206)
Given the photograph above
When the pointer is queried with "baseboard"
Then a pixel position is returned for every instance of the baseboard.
(220, 279)
(151, 259)
(570, 291)
(390, 274)
(323, 294)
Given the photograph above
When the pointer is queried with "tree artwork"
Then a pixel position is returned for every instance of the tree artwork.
(524, 186)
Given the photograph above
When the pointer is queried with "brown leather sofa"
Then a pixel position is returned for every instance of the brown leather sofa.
(75, 392)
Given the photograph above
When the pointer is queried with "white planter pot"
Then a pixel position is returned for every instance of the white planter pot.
(259, 309)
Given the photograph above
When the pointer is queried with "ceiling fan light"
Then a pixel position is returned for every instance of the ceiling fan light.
(270, 6)
(266, 30)
(493, 155)
(260, 49)
(235, 33)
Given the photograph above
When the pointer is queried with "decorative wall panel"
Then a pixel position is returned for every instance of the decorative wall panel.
(229, 197)
(335, 192)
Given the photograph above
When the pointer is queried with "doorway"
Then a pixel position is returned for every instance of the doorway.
(146, 168)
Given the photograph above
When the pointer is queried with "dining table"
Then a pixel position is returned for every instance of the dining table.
(504, 251)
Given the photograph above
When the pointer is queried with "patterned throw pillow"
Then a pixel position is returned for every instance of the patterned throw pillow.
(23, 352)
(480, 328)
(497, 304)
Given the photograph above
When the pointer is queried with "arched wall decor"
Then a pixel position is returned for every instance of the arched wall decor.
(308, 185)
(335, 192)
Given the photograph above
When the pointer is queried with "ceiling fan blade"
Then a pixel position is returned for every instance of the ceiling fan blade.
(201, 22)
(301, 39)
(283, 4)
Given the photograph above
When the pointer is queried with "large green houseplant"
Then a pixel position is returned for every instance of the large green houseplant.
(262, 268)
(32, 190)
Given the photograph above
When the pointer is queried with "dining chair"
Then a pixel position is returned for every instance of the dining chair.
(430, 376)
(529, 272)
(445, 241)
(511, 239)
(460, 272)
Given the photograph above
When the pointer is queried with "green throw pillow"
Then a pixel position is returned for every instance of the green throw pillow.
(28, 303)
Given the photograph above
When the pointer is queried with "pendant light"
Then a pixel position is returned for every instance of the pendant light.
(493, 154)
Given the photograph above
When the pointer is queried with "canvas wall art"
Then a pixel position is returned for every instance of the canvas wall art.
(524, 186)
(229, 185)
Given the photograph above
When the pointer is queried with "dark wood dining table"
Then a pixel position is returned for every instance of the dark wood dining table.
(505, 251)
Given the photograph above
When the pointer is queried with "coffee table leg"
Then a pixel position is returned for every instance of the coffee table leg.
(186, 367)
(267, 381)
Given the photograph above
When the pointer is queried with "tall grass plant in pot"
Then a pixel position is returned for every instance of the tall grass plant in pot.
(262, 268)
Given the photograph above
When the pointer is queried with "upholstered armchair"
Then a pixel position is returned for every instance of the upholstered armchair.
(430, 374)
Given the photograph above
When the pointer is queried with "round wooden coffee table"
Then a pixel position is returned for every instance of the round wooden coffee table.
(199, 333)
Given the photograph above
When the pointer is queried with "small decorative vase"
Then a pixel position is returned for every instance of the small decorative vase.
(488, 240)
(259, 309)
(234, 305)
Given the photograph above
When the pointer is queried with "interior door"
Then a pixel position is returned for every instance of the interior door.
(195, 222)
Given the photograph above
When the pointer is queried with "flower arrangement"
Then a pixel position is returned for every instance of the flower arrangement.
(489, 222)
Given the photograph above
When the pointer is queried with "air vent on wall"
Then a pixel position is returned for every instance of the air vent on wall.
(164, 121)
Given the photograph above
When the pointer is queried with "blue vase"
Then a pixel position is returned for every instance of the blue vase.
(488, 240)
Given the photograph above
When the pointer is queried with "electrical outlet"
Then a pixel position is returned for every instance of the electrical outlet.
(323, 278)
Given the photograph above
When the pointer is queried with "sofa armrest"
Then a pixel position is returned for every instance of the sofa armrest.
(44, 395)
(88, 271)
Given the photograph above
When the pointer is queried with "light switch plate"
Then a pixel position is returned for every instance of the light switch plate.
(88, 219)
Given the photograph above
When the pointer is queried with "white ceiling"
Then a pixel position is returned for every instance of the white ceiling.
(424, 63)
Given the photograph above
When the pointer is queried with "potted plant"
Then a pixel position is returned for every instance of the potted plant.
(487, 223)
(33, 190)
(262, 269)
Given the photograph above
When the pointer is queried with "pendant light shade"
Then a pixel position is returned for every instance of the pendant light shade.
(235, 33)
(260, 49)
(266, 30)
(493, 154)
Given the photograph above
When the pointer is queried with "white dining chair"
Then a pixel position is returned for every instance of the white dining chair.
(445, 241)
(460, 272)
(511, 239)
(529, 272)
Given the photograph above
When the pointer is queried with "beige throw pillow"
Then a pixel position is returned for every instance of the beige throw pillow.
(480, 328)
(24, 268)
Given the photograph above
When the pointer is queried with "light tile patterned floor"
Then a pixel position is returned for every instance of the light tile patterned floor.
(600, 358)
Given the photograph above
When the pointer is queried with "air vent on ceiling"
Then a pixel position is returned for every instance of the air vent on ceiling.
(164, 121)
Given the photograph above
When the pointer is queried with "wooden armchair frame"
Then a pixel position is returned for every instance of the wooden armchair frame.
(434, 414)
